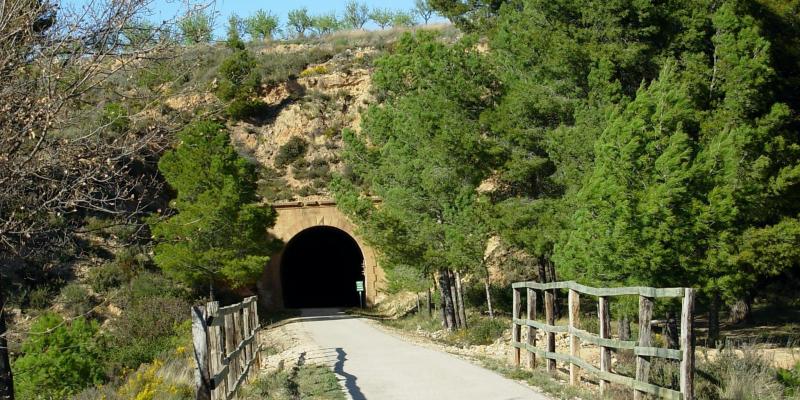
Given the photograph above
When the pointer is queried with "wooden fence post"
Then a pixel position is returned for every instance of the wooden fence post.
(643, 362)
(246, 329)
(687, 345)
(531, 330)
(200, 342)
(254, 346)
(237, 339)
(574, 342)
(228, 345)
(550, 320)
(605, 333)
(216, 347)
(516, 329)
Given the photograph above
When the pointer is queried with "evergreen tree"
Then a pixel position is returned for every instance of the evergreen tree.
(634, 223)
(217, 231)
(423, 152)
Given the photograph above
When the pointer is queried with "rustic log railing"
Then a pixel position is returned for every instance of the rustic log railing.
(642, 348)
(225, 349)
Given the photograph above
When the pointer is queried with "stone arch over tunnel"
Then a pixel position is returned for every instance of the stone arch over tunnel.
(317, 227)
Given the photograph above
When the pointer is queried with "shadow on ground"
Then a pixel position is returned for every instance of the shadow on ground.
(350, 380)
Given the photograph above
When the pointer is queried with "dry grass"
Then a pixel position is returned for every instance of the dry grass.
(737, 375)
(301, 382)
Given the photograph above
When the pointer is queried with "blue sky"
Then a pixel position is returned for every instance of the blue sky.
(168, 9)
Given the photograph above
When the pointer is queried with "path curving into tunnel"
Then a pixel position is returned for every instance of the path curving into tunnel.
(320, 267)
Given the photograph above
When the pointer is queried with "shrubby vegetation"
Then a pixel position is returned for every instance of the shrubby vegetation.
(60, 358)
(293, 150)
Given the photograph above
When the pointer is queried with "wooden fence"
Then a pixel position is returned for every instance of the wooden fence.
(642, 348)
(225, 348)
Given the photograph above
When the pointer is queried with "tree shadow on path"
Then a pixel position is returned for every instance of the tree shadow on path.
(350, 380)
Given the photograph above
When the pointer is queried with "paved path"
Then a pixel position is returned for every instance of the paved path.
(378, 366)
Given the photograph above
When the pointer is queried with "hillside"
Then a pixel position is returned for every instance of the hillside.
(605, 153)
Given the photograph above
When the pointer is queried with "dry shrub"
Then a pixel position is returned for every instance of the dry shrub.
(732, 375)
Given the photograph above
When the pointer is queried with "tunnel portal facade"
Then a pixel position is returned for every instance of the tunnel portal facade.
(320, 260)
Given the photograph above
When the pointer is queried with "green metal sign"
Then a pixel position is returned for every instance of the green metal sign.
(360, 286)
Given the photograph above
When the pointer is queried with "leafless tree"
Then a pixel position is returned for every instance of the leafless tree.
(56, 166)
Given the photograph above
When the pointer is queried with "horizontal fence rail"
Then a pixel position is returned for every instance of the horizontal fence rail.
(225, 348)
(642, 348)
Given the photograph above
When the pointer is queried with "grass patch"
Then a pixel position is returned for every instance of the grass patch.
(301, 382)
(416, 322)
(481, 330)
(551, 384)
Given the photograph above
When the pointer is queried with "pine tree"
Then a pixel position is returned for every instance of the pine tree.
(423, 152)
(216, 233)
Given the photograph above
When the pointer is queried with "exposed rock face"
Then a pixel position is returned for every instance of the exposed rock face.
(316, 106)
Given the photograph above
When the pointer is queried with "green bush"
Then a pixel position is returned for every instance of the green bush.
(307, 191)
(300, 168)
(319, 169)
(39, 298)
(59, 358)
(294, 149)
(483, 330)
(790, 378)
(130, 262)
(76, 299)
(272, 186)
(242, 109)
(280, 67)
(147, 329)
(105, 277)
(149, 284)
(239, 83)
(155, 74)
(320, 183)
(239, 77)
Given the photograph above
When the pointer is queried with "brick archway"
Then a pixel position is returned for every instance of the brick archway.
(296, 217)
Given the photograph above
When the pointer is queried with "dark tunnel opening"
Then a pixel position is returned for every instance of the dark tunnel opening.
(320, 267)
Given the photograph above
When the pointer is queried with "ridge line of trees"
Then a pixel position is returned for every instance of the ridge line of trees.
(197, 25)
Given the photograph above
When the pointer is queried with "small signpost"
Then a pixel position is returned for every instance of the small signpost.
(360, 289)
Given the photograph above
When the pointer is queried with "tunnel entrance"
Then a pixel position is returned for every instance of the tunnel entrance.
(320, 267)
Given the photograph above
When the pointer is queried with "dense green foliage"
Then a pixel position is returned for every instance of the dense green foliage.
(152, 325)
(60, 358)
(624, 142)
(424, 152)
(217, 231)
